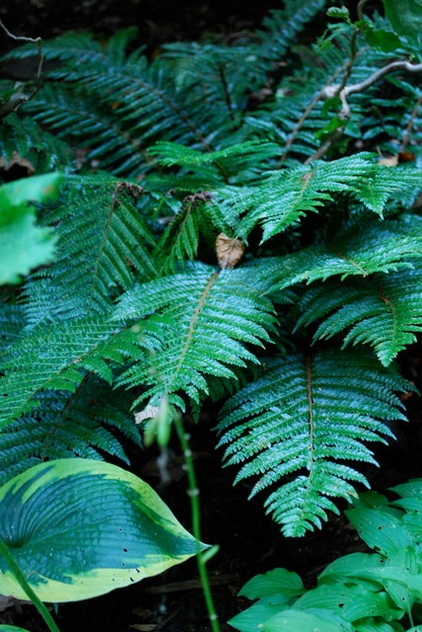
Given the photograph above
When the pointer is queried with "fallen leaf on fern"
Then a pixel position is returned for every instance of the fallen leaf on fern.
(229, 251)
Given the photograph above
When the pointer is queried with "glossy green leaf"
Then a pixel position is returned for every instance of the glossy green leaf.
(405, 16)
(380, 530)
(251, 619)
(305, 622)
(80, 528)
(11, 628)
(350, 602)
(23, 245)
(278, 581)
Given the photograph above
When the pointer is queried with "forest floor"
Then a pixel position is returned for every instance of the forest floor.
(249, 541)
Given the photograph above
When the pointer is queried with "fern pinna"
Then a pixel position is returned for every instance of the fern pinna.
(212, 143)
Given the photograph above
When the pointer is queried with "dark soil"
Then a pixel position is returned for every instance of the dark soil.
(249, 541)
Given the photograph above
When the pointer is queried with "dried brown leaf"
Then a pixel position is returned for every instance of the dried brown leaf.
(229, 251)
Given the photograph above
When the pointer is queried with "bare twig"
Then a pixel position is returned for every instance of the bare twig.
(343, 93)
(330, 91)
(19, 97)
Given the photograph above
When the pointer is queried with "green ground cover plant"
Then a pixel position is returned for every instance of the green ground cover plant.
(361, 592)
(235, 224)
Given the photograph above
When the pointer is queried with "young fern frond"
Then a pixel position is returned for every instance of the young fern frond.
(383, 310)
(180, 241)
(243, 161)
(83, 423)
(298, 434)
(203, 323)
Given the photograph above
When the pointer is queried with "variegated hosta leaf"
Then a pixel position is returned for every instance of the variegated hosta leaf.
(80, 528)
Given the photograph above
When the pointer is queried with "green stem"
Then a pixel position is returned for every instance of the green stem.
(193, 493)
(19, 575)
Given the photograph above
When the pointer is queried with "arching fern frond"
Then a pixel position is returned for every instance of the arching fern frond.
(116, 124)
(384, 246)
(285, 196)
(101, 228)
(203, 324)
(297, 433)
(244, 161)
(83, 423)
(382, 310)
(282, 26)
(57, 357)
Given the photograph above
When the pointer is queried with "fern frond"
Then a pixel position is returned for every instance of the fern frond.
(57, 356)
(285, 196)
(203, 323)
(101, 229)
(382, 310)
(23, 139)
(244, 161)
(384, 246)
(12, 322)
(117, 123)
(180, 240)
(294, 428)
(281, 28)
(83, 423)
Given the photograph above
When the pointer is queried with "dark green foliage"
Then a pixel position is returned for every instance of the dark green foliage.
(140, 308)
(359, 592)
(76, 425)
(294, 420)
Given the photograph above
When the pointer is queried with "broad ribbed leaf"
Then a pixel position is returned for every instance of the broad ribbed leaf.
(80, 528)
(289, 620)
(350, 602)
(293, 429)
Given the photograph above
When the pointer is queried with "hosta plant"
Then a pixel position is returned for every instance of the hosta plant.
(360, 592)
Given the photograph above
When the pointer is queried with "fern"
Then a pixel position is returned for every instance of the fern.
(23, 140)
(58, 357)
(203, 321)
(100, 228)
(283, 198)
(385, 246)
(382, 310)
(294, 424)
(82, 424)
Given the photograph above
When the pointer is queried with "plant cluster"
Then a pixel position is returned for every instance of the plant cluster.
(361, 592)
(234, 223)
